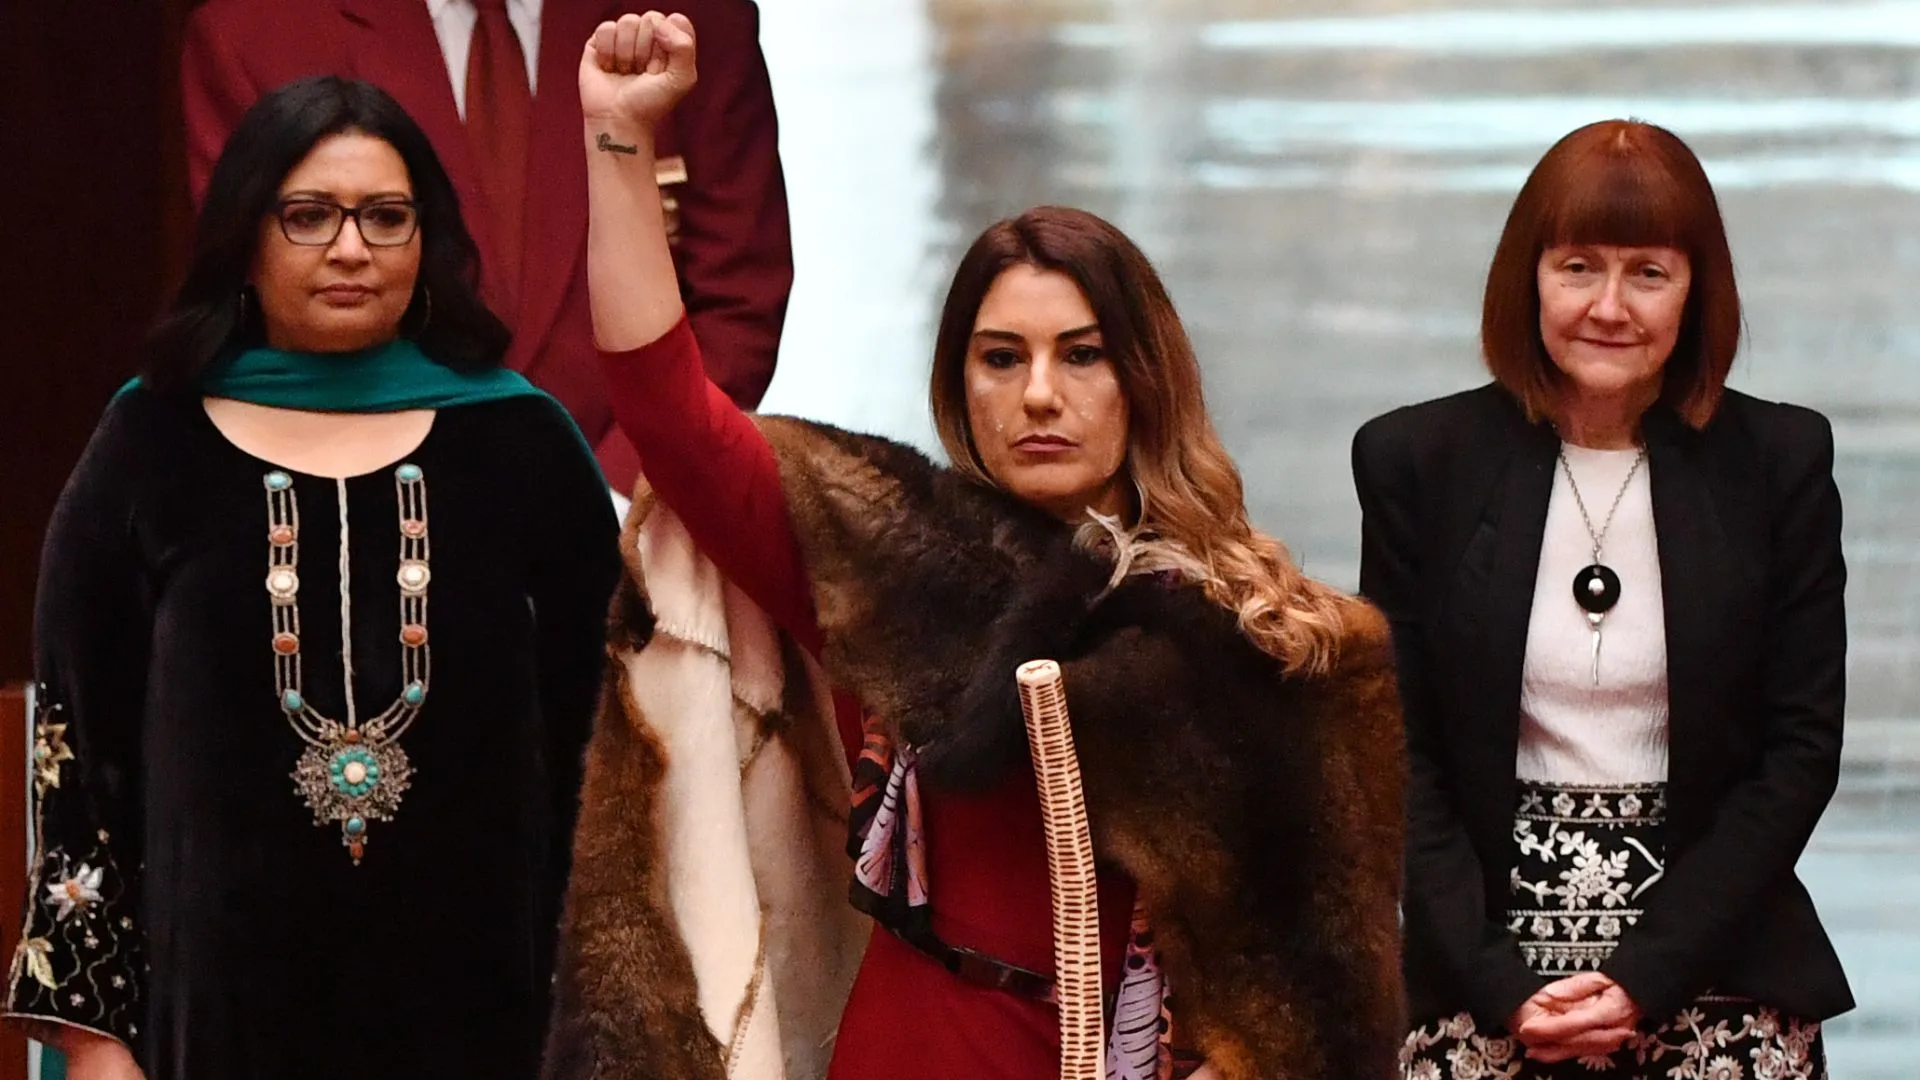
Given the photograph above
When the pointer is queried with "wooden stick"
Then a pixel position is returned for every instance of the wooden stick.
(1076, 914)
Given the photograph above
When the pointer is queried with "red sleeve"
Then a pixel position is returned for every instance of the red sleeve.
(708, 461)
(215, 92)
(735, 254)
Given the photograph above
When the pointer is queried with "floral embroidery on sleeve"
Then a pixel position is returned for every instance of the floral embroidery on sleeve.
(80, 961)
(49, 750)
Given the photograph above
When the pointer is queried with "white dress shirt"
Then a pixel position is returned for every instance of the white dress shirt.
(453, 24)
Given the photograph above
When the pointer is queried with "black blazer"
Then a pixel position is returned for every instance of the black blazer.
(1454, 500)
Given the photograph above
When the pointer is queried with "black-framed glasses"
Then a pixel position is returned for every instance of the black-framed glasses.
(317, 222)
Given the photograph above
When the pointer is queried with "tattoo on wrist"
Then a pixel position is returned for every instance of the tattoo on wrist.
(605, 142)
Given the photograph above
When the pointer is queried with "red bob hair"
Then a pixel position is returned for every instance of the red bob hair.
(1625, 183)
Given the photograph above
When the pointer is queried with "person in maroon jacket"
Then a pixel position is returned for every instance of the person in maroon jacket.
(493, 83)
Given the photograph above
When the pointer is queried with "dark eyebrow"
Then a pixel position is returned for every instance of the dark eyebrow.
(328, 196)
(1064, 335)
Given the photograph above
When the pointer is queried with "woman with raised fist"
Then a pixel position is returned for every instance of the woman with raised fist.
(1068, 397)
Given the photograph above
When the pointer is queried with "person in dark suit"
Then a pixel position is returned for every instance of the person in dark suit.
(495, 85)
(1616, 590)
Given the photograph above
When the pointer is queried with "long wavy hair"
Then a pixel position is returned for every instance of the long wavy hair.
(1192, 505)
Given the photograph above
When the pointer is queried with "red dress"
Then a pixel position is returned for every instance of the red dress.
(986, 861)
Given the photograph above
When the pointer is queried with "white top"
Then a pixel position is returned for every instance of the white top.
(453, 24)
(1571, 731)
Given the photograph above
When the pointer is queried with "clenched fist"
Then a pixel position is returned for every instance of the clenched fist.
(636, 70)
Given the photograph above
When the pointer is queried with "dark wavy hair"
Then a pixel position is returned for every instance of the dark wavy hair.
(211, 317)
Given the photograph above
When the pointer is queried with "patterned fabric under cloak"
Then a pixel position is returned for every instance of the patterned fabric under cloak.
(890, 884)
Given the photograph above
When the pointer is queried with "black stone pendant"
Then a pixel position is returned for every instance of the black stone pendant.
(1596, 589)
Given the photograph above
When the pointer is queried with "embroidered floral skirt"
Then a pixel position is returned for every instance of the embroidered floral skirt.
(1585, 859)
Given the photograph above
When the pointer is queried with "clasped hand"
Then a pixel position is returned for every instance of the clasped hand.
(1584, 1015)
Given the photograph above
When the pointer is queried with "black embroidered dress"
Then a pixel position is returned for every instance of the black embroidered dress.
(183, 899)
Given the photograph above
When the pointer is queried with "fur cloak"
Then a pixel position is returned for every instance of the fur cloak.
(1260, 815)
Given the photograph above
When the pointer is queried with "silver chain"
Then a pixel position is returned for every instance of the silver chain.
(1600, 537)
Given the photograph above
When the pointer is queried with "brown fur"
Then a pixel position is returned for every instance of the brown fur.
(1260, 815)
(625, 1000)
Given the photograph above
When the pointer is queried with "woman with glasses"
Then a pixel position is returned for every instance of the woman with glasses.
(319, 622)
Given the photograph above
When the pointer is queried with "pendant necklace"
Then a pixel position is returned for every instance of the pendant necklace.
(352, 772)
(1596, 588)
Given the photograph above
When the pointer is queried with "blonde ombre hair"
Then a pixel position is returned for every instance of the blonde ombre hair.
(1192, 512)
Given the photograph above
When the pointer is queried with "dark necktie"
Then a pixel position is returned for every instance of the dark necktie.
(499, 122)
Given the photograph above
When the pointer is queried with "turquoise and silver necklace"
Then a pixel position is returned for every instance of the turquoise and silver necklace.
(352, 773)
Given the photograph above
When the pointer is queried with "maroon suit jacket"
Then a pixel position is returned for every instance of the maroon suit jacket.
(734, 251)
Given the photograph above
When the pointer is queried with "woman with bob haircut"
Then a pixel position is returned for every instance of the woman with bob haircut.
(1063, 378)
(320, 632)
(1616, 591)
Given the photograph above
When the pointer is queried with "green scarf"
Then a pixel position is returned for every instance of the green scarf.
(392, 377)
